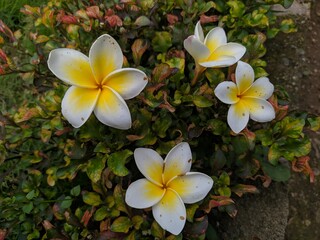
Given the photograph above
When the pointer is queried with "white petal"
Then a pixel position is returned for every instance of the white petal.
(261, 88)
(196, 49)
(72, 67)
(170, 212)
(244, 76)
(223, 61)
(260, 109)
(177, 162)
(112, 110)
(234, 50)
(143, 194)
(215, 38)
(238, 117)
(105, 57)
(128, 82)
(150, 164)
(78, 104)
(227, 92)
(192, 187)
(198, 32)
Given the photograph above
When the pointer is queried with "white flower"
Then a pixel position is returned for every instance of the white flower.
(98, 84)
(167, 186)
(213, 50)
(247, 98)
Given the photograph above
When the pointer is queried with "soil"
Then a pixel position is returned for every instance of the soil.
(288, 211)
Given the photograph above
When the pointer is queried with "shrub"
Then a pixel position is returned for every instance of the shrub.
(70, 183)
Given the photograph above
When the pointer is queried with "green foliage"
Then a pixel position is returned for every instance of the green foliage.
(58, 182)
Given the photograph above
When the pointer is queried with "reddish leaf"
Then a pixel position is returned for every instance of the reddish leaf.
(241, 189)
(138, 48)
(93, 12)
(301, 164)
(208, 19)
(217, 201)
(196, 229)
(3, 233)
(86, 216)
(6, 31)
(67, 19)
(172, 19)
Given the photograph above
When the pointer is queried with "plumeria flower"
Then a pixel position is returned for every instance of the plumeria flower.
(167, 186)
(99, 84)
(247, 98)
(213, 50)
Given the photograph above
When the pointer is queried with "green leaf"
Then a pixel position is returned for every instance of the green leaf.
(224, 179)
(101, 213)
(191, 210)
(202, 101)
(162, 41)
(279, 172)
(137, 221)
(162, 123)
(288, 26)
(215, 76)
(27, 208)
(287, 3)
(91, 198)
(67, 202)
(117, 161)
(121, 224)
(219, 160)
(314, 123)
(289, 149)
(119, 197)
(156, 230)
(265, 136)
(224, 191)
(31, 194)
(218, 127)
(237, 8)
(95, 167)
(290, 127)
(75, 191)
(142, 21)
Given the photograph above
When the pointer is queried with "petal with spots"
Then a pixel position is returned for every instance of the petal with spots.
(191, 187)
(238, 116)
(150, 164)
(260, 109)
(105, 57)
(78, 104)
(177, 162)
(261, 88)
(112, 110)
(215, 38)
(227, 92)
(143, 194)
(244, 76)
(198, 32)
(72, 67)
(170, 212)
(128, 82)
(196, 49)
(234, 50)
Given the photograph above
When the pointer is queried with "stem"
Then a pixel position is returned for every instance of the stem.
(198, 71)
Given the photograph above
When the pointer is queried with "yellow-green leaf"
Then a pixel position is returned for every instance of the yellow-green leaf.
(121, 224)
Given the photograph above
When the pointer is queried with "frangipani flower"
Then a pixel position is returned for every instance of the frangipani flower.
(213, 50)
(247, 98)
(167, 186)
(98, 84)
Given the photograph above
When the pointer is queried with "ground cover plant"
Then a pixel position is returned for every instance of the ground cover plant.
(84, 157)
